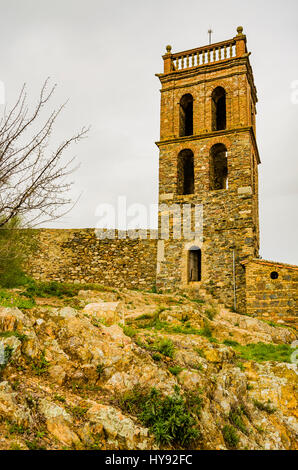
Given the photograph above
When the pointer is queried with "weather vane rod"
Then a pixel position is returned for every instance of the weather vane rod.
(210, 35)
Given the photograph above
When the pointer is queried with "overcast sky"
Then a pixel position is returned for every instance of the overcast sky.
(103, 54)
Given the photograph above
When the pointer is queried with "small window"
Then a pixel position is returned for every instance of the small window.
(194, 264)
(186, 115)
(274, 275)
(185, 181)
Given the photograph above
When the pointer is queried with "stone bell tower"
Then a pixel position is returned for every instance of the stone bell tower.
(209, 157)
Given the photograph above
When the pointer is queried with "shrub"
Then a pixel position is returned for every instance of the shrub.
(194, 402)
(39, 364)
(15, 446)
(59, 398)
(59, 289)
(175, 370)
(165, 346)
(213, 340)
(153, 289)
(261, 352)
(200, 352)
(206, 330)
(230, 342)
(171, 418)
(264, 407)
(156, 357)
(51, 289)
(230, 436)
(78, 411)
(235, 416)
(16, 245)
(8, 299)
(198, 301)
(99, 369)
(16, 429)
(129, 331)
(144, 316)
(198, 366)
(8, 334)
(185, 318)
(210, 313)
(34, 445)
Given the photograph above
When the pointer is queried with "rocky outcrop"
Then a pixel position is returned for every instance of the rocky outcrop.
(68, 368)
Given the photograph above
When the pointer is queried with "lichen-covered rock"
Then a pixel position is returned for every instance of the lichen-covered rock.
(247, 329)
(67, 312)
(9, 407)
(13, 319)
(121, 430)
(63, 382)
(14, 344)
(58, 422)
(107, 312)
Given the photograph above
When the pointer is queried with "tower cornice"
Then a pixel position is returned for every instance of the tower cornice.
(208, 135)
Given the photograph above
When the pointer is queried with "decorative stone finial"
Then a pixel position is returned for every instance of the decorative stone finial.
(240, 30)
(168, 48)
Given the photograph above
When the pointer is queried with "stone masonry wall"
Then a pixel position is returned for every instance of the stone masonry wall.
(274, 299)
(77, 255)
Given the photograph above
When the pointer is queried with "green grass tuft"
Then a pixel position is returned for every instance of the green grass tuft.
(230, 342)
(39, 364)
(12, 299)
(175, 370)
(129, 331)
(230, 436)
(164, 346)
(264, 407)
(235, 417)
(172, 419)
(99, 369)
(261, 352)
(8, 334)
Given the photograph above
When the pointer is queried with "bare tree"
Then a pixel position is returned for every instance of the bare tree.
(33, 184)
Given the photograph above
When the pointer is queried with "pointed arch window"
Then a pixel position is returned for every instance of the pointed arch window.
(219, 112)
(185, 180)
(186, 115)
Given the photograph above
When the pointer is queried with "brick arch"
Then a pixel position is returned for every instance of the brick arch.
(222, 84)
(185, 92)
(219, 140)
(185, 146)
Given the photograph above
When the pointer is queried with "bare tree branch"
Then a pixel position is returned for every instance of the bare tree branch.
(32, 178)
